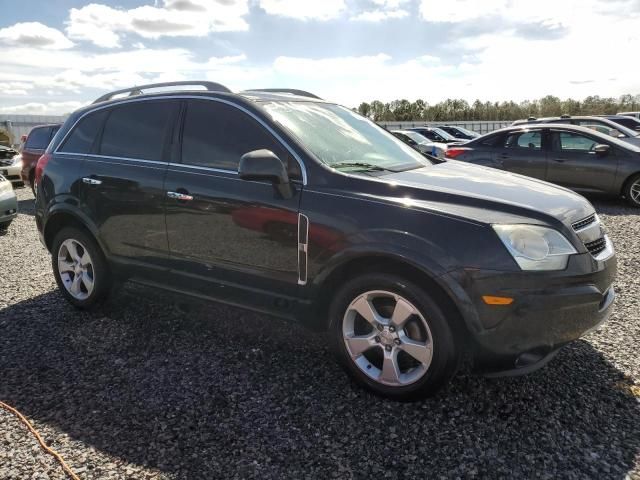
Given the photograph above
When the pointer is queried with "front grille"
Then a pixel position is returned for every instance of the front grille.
(584, 222)
(591, 231)
(6, 162)
(596, 246)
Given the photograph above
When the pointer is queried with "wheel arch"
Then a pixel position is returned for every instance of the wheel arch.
(61, 218)
(627, 181)
(434, 284)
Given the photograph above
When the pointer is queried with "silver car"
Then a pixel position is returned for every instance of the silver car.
(8, 203)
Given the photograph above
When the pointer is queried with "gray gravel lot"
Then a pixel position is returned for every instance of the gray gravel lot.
(147, 388)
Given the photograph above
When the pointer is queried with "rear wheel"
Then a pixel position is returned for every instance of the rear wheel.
(81, 271)
(392, 337)
(4, 226)
(632, 191)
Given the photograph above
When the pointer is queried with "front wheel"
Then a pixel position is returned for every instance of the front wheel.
(632, 191)
(81, 271)
(392, 337)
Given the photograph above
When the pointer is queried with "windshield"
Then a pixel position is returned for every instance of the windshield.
(416, 137)
(343, 139)
(443, 134)
(468, 132)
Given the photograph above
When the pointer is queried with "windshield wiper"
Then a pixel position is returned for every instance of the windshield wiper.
(363, 165)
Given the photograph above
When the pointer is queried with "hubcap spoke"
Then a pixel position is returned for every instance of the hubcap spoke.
(366, 309)
(421, 351)
(85, 260)
(87, 281)
(75, 285)
(64, 265)
(358, 344)
(401, 313)
(390, 371)
(72, 248)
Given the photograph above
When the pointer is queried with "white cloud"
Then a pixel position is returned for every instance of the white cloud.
(34, 34)
(49, 108)
(301, 10)
(104, 26)
(379, 15)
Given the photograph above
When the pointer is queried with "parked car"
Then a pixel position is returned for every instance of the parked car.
(578, 158)
(409, 264)
(616, 130)
(34, 146)
(8, 204)
(435, 134)
(459, 132)
(631, 114)
(421, 143)
(629, 122)
(10, 165)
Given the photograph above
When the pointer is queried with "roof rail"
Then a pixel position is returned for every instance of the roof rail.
(138, 90)
(565, 115)
(531, 119)
(292, 91)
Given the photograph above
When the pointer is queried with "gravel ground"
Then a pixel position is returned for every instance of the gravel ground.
(148, 389)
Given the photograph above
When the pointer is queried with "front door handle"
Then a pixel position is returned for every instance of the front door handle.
(182, 197)
(91, 181)
(559, 160)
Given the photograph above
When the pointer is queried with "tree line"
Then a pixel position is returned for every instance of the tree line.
(460, 110)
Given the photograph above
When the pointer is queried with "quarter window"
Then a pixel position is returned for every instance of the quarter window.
(216, 135)
(137, 130)
(84, 134)
(530, 140)
(575, 142)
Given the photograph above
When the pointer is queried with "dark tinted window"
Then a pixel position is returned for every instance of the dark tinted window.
(627, 122)
(493, 141)
(216, 135)
(137, 130)
(81, 138)
(529, 140)
(38, 138)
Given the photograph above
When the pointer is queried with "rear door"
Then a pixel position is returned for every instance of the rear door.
(228, 236)
(574, 163)
(122, 183)
(524, 152)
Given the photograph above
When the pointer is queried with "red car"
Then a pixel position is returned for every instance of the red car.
(34, 146)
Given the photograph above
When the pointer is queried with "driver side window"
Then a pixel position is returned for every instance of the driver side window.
(572, 142)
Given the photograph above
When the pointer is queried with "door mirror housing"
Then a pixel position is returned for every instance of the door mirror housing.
(602, 150)
(264, 165)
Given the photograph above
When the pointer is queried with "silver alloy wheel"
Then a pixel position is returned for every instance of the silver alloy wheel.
(388, 338)
(75, 268)
(635, 191)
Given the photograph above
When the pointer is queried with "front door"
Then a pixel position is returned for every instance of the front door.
(122, 181)
(229, 237)
(575, 164)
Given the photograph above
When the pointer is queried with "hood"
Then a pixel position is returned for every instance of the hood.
(489, 195)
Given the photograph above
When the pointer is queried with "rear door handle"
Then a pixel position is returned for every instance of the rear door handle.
(182, 197)
(559, 160)
(91, 181)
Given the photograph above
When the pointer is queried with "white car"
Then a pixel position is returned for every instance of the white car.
(10, 165)
(421, 143)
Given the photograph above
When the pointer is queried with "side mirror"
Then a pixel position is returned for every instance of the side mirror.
(264, 165)
(601, 150)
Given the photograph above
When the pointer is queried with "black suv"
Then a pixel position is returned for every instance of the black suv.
(281, 202)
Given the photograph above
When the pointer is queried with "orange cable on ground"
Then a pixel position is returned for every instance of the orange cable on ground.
(50, 451)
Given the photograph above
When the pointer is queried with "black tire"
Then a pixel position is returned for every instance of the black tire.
(102, 277)
(446, 354)
(32, 180)
(633, 182)
(4, 226)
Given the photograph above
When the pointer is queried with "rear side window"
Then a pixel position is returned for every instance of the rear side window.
(216, 135)
(38, 138)
(83, 135)
(529, 140)
(137, 130)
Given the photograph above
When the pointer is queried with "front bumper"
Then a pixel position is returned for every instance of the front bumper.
(550, 309)
(8, 206)
(12, 172)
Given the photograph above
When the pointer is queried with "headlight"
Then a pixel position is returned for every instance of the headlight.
(17, 160)
(534, 247)
(5, 186)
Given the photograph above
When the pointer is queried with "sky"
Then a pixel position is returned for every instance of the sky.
(58, 55)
